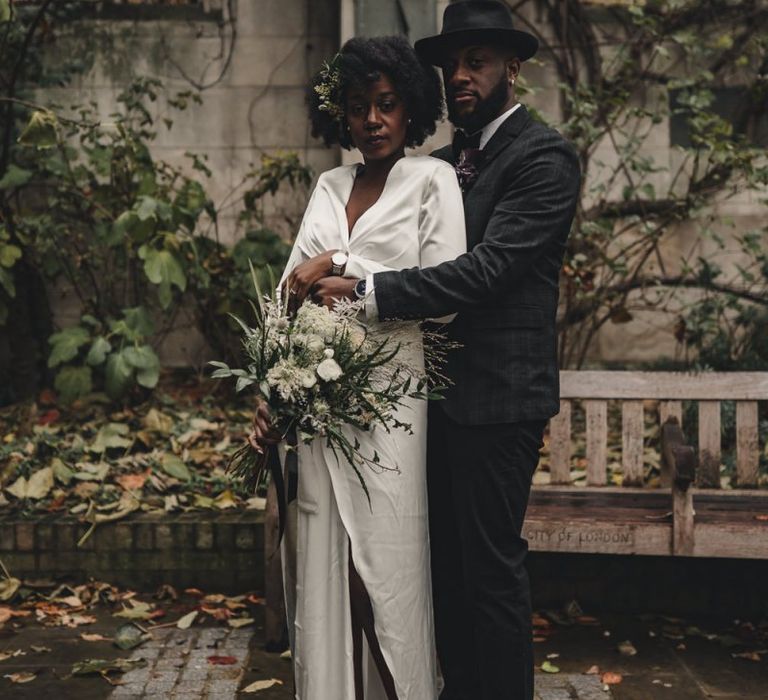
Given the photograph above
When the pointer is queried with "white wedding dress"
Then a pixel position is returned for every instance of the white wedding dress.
(418, 221)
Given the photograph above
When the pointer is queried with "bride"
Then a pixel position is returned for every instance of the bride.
(362, 624)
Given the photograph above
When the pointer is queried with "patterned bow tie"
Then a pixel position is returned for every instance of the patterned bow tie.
(462, 142)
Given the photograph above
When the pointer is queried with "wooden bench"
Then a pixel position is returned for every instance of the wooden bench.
(692, 511)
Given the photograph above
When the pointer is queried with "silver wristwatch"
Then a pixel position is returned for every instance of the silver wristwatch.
(338, 263)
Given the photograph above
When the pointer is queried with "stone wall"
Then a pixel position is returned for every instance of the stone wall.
(254, 59)
(251, 61)
(213, 551)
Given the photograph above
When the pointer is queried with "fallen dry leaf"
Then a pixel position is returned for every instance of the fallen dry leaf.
(762, 516)
(222, 660)
(85, 636)
(256, 686)
(20, 677)
(610, 678)
(77, 620)
(748, 655)
(626, 648)
(133, 482)
(217, 613)
(7, 613)
(102, 666)
(592, 671)
(240, 622)
(11, 654)
(186, 621)
(71, 600)
(37, 487)
(214, 598)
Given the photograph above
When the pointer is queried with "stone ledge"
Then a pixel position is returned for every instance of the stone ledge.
(213, 551)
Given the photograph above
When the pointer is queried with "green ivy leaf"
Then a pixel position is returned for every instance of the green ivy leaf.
(41, 131)
(66, 344)
(6, 282)
(175, 467)
(9, 254)
(111, 435)
(129, 224)
(15, 177)
(73, 382)
(149, 376)
(118, 377)
(140, 357)
(98, 352)
(135, 325)
(147, 208)
(164, 270)
(147, 364)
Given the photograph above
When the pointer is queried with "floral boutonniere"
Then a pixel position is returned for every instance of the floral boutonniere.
(467, 167)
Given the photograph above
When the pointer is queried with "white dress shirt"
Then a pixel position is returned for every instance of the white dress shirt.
(486, 134)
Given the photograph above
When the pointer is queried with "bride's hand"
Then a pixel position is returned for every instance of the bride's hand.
(263, 434)
(304, 276)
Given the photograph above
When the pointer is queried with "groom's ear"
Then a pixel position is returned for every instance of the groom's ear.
(513, 68)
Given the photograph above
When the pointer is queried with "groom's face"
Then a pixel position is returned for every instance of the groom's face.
(479, 85)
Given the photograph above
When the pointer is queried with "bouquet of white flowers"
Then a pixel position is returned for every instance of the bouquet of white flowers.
(319, 371)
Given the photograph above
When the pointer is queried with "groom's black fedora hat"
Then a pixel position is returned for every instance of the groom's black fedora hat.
(476, 21)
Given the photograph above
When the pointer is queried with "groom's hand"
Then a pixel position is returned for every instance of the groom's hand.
(329, 290)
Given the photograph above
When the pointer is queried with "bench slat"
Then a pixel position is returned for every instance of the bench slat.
(632, 442)
(708, 475)
(669, 409)
(747, 450)
(589, 384)
(597, 441)
(560, 445)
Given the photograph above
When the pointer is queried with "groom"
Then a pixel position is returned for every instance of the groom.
(520, 181)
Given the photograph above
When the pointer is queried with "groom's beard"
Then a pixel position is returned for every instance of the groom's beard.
(485, 111)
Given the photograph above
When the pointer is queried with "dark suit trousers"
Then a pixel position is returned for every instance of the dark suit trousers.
(479, 480)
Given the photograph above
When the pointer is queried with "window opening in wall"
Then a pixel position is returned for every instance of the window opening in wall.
(746, 112)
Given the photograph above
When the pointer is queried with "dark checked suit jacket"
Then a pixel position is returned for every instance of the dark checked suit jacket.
(505, 289)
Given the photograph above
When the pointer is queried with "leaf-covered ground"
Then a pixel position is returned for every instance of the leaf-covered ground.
(101, 462)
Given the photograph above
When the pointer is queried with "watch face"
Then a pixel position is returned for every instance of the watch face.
(339, 259)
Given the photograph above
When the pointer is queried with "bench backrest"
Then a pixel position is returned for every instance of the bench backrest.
(596, 388)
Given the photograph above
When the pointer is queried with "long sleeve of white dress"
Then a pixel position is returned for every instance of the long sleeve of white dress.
(442, 234)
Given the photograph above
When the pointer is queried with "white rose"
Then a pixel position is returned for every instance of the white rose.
(315, 343)
(329, 352)
(308, 380)
(328, 370)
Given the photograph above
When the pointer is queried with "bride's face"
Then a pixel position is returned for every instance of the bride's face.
(377, 119)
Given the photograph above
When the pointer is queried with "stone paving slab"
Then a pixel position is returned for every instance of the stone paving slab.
(570, 687)
(178, 667)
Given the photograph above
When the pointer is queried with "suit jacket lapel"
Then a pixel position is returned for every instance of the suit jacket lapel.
(505, 134)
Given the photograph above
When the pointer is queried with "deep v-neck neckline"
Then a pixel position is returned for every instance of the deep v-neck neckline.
(353, 171)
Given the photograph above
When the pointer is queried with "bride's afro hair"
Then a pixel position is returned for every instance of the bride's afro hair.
(363, 61)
